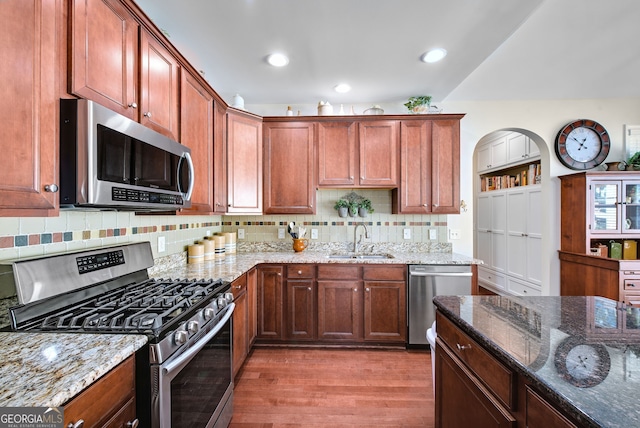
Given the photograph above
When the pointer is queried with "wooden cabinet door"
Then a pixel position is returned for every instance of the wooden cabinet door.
(252, 297)
(340, 310)
(196, 132)
(244, 163)
(461, 398)
(270, 281)
(219, 158)
(240, 323)
(385, 316)
(378, 149)
(337, 155)
(289, 168)
(300, 315)
(445, 167)
(541, 413)
(159, 84)
(30, 100)
(414, 193)
(104, 54)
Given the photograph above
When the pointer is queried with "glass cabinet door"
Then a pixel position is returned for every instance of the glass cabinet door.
(631, 204)
(606, 198)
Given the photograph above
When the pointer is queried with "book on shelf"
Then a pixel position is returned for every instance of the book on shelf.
(528, 176)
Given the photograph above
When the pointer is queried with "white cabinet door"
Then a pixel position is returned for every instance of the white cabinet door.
(517, 147)
(491, 230)
(499, 152)
(499, 231)
(484, 158)
(524, 238)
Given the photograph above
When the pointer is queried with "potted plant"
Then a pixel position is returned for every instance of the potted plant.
(342, 206)
(353, 208)
(364, 207)
(418, 104)
(634, 162)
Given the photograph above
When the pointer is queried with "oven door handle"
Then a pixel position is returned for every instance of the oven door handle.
(184, 359)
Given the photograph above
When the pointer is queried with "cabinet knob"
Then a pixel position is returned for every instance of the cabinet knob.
(53, 188)
(237, 287)
(133, 105)
(78, 424)
(367, 289)
(351, 177)
(355, 289)
(299, 272)
(309, 288)
(435, 205)
(425, 205)
(462, 347)
(361, 178)
(133, 424)
(279, 274)
(147, 114)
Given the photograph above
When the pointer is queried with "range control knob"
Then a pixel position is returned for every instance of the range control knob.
(193, 327)
(222, 302)
(228, 297)
(208, 313)
(180, 337)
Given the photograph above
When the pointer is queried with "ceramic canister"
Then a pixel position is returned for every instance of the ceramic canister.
(195, 253)
(230, 242)
(209, 249)
(219, 246)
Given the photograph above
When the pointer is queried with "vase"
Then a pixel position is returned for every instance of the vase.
(343, 211)
(353, 212)
(362, 212)
(421, 109)
(300, 244)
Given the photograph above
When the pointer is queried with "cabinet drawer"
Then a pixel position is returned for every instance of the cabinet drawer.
(490, 277)
(498, 378)
(631, 298)
(632, 284)
(388, 273)
(102, 400)
(338, 272)
(300, 271)
(521, 289)
(239, 286)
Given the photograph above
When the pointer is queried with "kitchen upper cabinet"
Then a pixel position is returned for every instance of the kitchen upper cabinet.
(269, 300)
(197, 133)
(104, 55)
(244, 163)
(219, 157)
(289, 168)
(159, 86)
(337, 154)
(30, 100)
(521, 148)
(378, 150)
(429, 168)
(492, 154)
(107, 67)
(361, 153)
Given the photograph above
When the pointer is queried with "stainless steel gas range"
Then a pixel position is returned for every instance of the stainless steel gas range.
(184, 376)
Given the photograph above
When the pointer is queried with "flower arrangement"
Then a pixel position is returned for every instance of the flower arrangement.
(418, 104)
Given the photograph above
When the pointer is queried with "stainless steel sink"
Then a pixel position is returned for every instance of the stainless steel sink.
(363, 256)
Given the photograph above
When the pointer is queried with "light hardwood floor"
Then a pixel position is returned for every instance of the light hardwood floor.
(307, 387)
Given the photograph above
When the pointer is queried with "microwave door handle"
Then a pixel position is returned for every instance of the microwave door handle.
(191, 174)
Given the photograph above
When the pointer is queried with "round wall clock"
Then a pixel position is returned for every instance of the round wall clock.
(582, 364)
(582, 144)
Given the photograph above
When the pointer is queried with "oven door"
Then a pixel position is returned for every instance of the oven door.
(196, 386)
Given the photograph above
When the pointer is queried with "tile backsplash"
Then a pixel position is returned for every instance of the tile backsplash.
(75, 230)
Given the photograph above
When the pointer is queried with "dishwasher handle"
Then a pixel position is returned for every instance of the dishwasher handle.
(441, 274)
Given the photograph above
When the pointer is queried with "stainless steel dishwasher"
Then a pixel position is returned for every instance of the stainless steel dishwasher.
(425, 282)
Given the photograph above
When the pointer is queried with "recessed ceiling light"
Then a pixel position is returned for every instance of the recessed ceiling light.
(434, 55)
(342, 88)
(278, 60)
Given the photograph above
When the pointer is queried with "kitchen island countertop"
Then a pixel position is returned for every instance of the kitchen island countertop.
(49, 369)
(583, 352)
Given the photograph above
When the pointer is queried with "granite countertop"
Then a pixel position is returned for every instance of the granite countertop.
(558, 329)
(234, 265)
(49, 369)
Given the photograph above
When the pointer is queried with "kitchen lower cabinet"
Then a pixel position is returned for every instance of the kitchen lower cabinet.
(269, 302)
(109, 402)
(241, 342)
(252, 297)
(30, 101)
(300, 312)
(385, 315)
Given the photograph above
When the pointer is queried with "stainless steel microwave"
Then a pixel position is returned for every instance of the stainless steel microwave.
(108, 161)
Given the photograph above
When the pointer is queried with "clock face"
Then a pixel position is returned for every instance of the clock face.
(583, 144)
(582, 364)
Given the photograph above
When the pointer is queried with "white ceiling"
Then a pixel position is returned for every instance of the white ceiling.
(498, 49)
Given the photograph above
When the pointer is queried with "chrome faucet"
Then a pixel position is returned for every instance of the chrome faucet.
(355, 234)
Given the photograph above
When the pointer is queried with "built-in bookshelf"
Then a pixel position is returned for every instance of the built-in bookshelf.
(516, 176)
